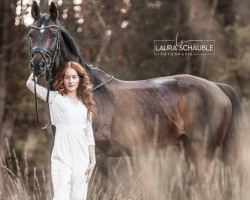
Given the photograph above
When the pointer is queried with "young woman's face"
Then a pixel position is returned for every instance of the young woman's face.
(71, 79)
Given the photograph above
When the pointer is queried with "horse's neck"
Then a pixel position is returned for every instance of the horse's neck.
(96, 75)
(66, 56)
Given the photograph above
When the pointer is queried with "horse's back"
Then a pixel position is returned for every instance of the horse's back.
(184, 104)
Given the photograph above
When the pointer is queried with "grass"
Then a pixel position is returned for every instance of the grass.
(161, 175)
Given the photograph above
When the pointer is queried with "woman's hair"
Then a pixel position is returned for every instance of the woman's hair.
(84, 90)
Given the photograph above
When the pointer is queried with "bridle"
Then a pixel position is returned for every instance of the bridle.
(46, 54)
(49, 65)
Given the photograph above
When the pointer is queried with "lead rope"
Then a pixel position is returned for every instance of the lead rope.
(37, 117)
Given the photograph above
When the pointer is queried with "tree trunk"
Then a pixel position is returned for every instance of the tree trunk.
(9, 34)
(207, 34)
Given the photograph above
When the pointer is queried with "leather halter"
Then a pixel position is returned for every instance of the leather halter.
(49, 65)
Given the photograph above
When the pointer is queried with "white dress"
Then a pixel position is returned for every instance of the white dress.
(74, 133)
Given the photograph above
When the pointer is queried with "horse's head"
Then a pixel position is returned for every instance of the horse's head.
(50, 44)
(44, 40)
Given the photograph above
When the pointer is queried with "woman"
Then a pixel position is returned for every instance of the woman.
(72, 110)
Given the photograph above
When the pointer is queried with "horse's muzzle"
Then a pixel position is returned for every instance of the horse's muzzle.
(38, 68)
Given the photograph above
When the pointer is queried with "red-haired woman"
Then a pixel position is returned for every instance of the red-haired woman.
(72, 111)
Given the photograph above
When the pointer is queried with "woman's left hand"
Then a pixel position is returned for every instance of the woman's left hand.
(89, 171)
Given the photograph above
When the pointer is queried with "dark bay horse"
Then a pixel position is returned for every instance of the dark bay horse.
(134, 116)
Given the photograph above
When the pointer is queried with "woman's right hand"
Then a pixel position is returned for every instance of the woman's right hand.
(89, 171)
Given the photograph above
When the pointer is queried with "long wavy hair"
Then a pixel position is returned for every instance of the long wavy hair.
(84, 89)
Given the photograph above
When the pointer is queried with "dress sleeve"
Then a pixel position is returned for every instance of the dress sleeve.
(41, 91)
(89, 132)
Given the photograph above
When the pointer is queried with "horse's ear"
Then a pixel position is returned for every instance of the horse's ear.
(35, 11)
(53, 11)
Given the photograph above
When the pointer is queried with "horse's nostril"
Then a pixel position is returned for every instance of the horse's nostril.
(31, 66)
(42, 65)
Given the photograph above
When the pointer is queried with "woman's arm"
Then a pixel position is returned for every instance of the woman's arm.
(41, 91)
(92, 154)
(89, 131)
(90, 140)
(91, 166)
(91, 148)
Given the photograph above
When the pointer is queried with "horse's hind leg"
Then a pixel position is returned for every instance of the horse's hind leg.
(198, 157)
(186, 149)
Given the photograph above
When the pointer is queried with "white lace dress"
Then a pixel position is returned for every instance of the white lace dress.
(74, 133)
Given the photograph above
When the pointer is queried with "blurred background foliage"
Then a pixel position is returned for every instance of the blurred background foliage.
(118, 37)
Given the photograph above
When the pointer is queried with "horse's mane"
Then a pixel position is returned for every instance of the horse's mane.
(70, 43)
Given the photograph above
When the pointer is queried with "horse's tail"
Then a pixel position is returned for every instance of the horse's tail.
(230, 145)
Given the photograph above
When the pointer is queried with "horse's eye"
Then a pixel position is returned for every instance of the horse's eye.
(54, 34)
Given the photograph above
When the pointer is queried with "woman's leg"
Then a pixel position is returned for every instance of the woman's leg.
(80, 164)
(61, 179)
(79, 185)
(61, 167)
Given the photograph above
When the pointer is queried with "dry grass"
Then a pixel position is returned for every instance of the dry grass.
(161, 175)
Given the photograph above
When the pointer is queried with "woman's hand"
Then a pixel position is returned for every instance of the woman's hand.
(92, 158)
(89, 171)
